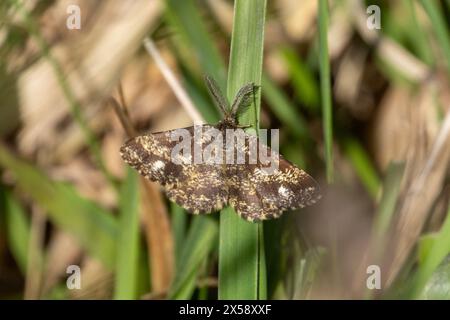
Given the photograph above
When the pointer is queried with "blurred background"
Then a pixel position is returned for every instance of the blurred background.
(69, 98)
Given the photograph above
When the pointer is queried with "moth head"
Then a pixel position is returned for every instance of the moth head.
(242, 101)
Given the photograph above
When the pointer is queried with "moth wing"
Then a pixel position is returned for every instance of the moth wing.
(198, 188)
(244, 197)
(262, 191)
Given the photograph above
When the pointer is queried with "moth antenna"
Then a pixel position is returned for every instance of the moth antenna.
(244, 98)
(216, 95)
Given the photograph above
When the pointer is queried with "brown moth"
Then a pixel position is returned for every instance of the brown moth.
(206, 186)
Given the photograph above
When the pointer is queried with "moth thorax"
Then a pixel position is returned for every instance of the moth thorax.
(229, 122)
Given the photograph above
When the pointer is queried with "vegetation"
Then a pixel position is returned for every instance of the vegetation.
(364, 111)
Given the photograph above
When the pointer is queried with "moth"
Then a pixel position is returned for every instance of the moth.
(254, 192)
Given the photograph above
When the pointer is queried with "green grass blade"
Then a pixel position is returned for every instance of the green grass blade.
(306, 90)
(418, 35)
(363, 166)
(239, 258)
(284, 110)
(389, 197)
(186, 18)
(179, 226)
(438, 286)
(325, 88)
(438, 250)
(425, 243)
(275, 255)
(246, 54)
(93, 226)
(17, 231)
(440, 28)
(201, 238)
(242, 269)
(128, 244)
(262, 266)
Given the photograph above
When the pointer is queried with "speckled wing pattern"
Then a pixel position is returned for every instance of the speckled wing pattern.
(257, 194)
(204, 188)
(198, 188)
